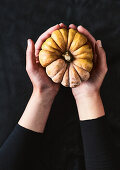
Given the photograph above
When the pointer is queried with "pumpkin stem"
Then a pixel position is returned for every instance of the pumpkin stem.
(67, 56)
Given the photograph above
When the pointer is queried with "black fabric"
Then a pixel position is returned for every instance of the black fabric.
(98, 145)
(20, 20)
(22, 149)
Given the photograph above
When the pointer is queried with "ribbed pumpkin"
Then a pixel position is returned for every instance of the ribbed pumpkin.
(67, 56)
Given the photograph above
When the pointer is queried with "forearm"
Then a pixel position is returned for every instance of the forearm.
(26, 139)
(37, 111)
(90, 106)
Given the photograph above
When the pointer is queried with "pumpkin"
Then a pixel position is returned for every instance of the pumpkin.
(67, 56)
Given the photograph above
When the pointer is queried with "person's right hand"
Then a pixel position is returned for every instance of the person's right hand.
(93, 84)
(41, 82)
(87, 94)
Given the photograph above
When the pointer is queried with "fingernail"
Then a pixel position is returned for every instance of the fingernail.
(28, 42)
(71, 24)
(99, 43)
(79, 26)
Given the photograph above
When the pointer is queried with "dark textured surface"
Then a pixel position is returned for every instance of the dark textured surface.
(20, 20)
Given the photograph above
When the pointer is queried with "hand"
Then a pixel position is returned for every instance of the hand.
(87, 93)
(41, 82)
(99, 69)
(44, 90)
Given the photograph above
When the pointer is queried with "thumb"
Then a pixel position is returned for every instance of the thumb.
(101, 57)
(30, 55)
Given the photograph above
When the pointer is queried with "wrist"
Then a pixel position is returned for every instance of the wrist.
(37, 111)
(90, 106)
(87, 95)
(45, 96)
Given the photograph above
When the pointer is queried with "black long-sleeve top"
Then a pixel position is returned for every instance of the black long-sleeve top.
(21, 150)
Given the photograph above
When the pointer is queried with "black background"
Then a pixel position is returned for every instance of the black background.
(20, 20)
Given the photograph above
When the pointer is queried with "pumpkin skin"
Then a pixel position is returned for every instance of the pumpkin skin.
(67, 56)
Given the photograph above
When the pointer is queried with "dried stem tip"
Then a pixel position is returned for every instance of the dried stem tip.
(67, 56)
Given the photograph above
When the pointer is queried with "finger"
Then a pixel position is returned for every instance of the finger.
(30, 55)
(43, 37)
(91, 39)
(72, 26)
(101, 56)
(87, 34)
(37, 59)
(62, 25)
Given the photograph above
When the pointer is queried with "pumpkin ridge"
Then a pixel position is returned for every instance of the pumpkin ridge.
(90, 62)
(67, 84)
(77, 75)
(50, 45)
(72, 40)
(81, 67)
(81, 34)
(62, 38)
(86, 59)
(65, 65)
(77, 72)
(57, 45)
(52, 62)
(82, 53)
(68, 66)
(67, 41)
(82, 46)
(69, 74)
(59, 70)
(87, 54)
(52, 51)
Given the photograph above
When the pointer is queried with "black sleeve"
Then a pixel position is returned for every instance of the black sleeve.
(19, 151)
(97, 143)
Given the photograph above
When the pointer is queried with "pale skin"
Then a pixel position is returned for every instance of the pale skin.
(87, 94)
(44, 90)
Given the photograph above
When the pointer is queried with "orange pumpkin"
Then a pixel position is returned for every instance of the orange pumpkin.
(67, 56)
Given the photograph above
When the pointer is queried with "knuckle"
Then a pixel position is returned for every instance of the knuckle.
(103, 52)
(28, 68)
(106, 69)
